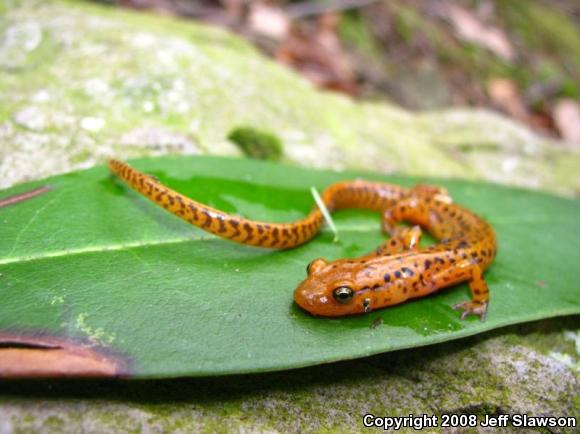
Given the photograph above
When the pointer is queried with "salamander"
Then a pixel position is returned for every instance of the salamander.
(398, 270)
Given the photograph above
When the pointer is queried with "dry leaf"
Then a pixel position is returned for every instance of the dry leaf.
(318, 54)
(268, 20)
(567, 118)
(470, 29)
(505, 95)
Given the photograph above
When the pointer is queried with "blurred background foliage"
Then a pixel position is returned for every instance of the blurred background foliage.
(519, 58)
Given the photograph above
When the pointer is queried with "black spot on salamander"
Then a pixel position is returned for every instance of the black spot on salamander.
(464, 255)
(275, 235)
(208, 220)
(397, 274)
(407, 272)
(387, 277)
(474, 254)
(462, 244)
(393, 242)
(250, 232)
(427, 264)
(405, 289)
(452, 260)
(295, 232)
(376, 287)
(222, 227)
(438, 259)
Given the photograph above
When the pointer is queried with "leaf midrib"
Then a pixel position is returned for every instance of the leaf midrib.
(205, 237)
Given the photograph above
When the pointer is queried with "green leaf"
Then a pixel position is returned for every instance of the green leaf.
(92, 262)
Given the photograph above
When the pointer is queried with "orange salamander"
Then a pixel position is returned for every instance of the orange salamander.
(397, 271)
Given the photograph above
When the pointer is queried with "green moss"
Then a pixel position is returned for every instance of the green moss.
(355, 31)
(255, 143)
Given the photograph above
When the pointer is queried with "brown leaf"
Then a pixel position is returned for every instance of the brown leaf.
(317, 53)
(267, 20)
(567, 118)
(505, 95)
(34, 356)
(469, 28)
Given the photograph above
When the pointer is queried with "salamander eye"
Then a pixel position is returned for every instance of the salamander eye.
(343, 294)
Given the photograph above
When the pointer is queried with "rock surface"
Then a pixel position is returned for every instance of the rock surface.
(80, 83)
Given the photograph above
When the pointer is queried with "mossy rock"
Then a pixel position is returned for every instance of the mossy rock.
(82, 82)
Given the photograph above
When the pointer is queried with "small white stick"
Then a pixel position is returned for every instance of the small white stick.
(324, 212)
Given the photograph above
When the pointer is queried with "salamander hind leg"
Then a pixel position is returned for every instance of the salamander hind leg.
(479, 295)
(403, 239)
(471, 273)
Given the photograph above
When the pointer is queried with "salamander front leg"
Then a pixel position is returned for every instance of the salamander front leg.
(479, 294)
(402, 239)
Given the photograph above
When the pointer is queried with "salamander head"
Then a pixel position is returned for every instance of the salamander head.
(329, 289)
